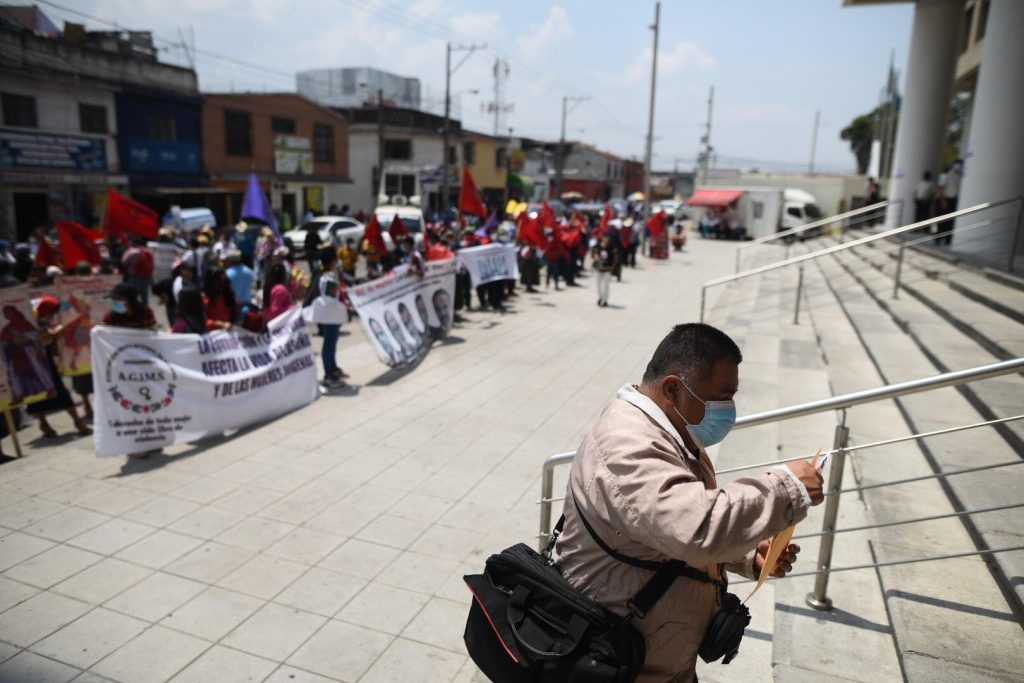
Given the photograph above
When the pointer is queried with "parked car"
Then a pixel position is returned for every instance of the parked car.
(333, 229)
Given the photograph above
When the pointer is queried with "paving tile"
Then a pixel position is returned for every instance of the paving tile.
(38, 482)
(447, 542)
(294, 508)
(13, 592)
(79, 490)
(248, 500)
(321, 591)
(289, 674)
(360, 558)
(28, 667)
(305, 545)
(206, 490)
(209, 562)
(285, 479)
(421, 508)
(153, 657)
(206, 522)
(67, 524)
(473, 517)
(7, 651)
(397, 532)
(264, 576)
(212, 614)
(112, 536)
(155, 597)
(89, 677)
(384, 608)
(86, 641)
(102, 581)
(405, 660)
(28, 511)
(255, 533)
(161, 511)
(441, 624)
(118, 501)
(275, 631)
(244, 472)
(159, 549)
(225, 665)
(52, 566)
(416, 572)
(341, 651)
(38, 617)
(17, 547)
(454, 588)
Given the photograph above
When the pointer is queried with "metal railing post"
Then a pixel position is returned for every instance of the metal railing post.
(899, 271)
(818, 599)
(739, 250)
(799, 291)
(703, 296)
(547, 485)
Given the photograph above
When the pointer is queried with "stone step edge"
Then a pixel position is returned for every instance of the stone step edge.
(992, 563)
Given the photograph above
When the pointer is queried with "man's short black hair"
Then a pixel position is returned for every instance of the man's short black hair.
(691, 350)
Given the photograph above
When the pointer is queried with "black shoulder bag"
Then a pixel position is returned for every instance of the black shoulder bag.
(527, 624)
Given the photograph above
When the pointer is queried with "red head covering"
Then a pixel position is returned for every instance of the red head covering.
(47, 306)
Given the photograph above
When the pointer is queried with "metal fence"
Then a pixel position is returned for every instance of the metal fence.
(818, 599)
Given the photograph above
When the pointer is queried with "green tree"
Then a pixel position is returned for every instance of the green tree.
(859, 134)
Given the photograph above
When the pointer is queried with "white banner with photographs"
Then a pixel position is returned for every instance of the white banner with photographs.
(490, 263)
(155, 389)
(402, 313)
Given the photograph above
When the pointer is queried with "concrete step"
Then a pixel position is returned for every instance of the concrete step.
(960, 613)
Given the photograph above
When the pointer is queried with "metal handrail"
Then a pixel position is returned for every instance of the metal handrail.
(782, 234)
(848, 245)
(818, 599)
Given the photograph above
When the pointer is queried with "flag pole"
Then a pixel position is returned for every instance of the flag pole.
(13, 430)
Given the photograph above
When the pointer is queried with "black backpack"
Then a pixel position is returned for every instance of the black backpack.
(527, 624)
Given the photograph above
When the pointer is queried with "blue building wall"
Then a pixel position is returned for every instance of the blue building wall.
(150, 162)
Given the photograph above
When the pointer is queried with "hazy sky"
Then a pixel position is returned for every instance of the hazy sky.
(772, 63)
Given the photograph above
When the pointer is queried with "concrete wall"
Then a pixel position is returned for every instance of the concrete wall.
(833, 192)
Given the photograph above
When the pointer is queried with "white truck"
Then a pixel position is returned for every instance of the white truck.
(759, 211)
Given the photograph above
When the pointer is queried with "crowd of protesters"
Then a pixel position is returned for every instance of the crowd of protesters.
(246, 276)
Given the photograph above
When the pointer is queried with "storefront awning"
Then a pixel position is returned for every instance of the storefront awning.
(715, 198)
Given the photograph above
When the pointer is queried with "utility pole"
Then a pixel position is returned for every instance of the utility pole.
(650, 113)
(448, 71)
(706, 139)
(560, 160)
(814, 140)
(380, 141)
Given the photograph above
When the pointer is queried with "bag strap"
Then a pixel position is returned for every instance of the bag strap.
(665, 572)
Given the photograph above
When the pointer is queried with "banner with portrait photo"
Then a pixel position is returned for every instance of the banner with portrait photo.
(155, 389)
(84, 301)
(490, 263)
(403, 313)
(24, 371)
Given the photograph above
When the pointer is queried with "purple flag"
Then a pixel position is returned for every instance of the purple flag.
(256, 206)
(492, 222)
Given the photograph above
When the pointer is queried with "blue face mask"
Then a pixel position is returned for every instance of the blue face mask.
(719, 419)
(118, 306)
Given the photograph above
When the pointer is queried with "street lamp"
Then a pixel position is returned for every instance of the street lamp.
(448, 71)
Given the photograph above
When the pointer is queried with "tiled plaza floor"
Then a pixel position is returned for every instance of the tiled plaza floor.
(328, 544)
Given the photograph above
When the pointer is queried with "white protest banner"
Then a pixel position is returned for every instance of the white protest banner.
(164, 256)
(83, 303)
(24, 369)
(155, 389)
(402, 313)
(489, 263)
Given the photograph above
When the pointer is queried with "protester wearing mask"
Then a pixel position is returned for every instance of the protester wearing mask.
(647, 488)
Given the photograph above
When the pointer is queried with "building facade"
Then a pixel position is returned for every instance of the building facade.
(358, 87)
(486, 157)
(61, 142)
(299, 150)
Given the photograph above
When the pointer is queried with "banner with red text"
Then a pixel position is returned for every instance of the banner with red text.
(155, 389)
(402, 312)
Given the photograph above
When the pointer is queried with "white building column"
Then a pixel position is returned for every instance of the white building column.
(995, 153)
(925, 108)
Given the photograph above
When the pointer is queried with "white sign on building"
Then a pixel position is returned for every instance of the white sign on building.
(293, 155)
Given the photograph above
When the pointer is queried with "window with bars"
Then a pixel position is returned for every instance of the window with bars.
(282, 125)
(397, 150)
(323, 142)
(162, 127)
(238, 133)
(19, 110)
(92, 118)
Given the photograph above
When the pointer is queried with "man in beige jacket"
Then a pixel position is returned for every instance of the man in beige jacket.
(645, 484)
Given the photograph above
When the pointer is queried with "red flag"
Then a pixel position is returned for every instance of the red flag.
(125, 216)
(373, 236)
(657, 224)
(469, 198)
(78, 243)
(46, 255)
(605, 217)
(530, 232)
(397, 229)
(546, 217)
